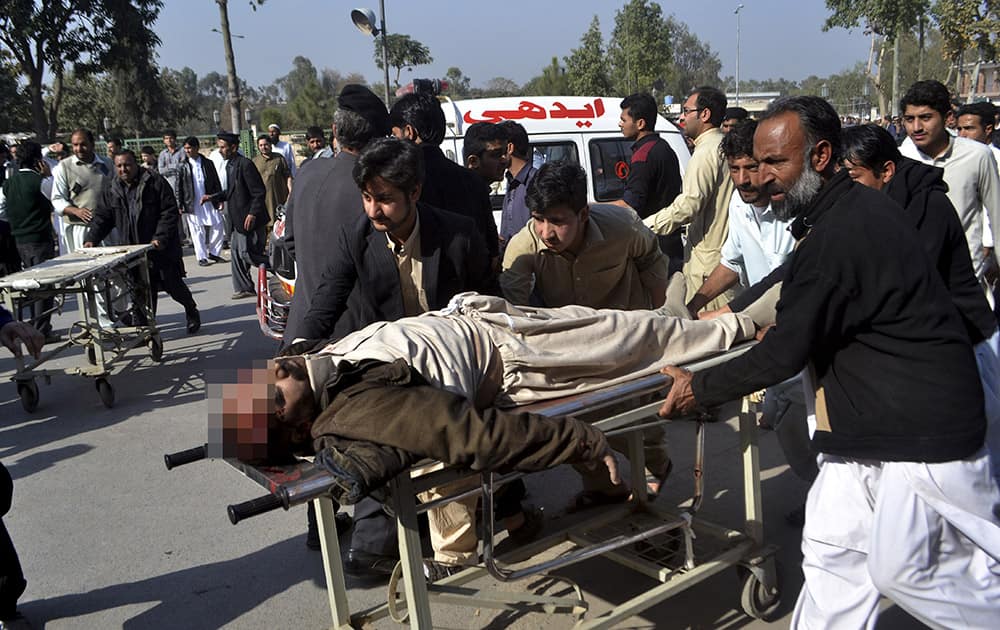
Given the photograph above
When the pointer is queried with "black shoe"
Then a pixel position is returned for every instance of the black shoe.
(435, 571)
(343, 521)
(218, 259)
(193, 320)
(533, 524)
(203, 263)
(369, 566)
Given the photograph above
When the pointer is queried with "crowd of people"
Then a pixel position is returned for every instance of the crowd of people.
(861, 255)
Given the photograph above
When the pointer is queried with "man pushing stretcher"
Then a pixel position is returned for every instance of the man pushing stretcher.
(442, 385)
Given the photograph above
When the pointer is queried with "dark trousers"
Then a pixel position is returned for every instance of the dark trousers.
(168, 277)
(31, 255)
(12, 582)
(246, 252)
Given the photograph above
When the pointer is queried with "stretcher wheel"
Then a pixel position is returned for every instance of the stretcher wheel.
(757, 600)
(106, 392)
(28, 393)
(155, 344)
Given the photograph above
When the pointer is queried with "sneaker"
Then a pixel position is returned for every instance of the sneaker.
(203, 262)
(435, 571)
(193, 320)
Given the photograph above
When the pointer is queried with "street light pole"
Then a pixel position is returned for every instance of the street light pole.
(364, 20)
(737, 12)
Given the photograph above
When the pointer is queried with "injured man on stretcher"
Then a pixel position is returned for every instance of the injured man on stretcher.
(446, 385)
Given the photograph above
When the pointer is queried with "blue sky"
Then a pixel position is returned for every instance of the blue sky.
(511, 38)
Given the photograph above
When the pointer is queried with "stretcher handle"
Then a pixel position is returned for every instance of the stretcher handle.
(172, 460)
(253, 507)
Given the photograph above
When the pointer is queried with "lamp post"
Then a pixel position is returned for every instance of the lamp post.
(217, 118)
(737, 12)
(364, 20)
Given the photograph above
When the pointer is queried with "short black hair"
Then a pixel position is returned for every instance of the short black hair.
(151, 151)
(116, 140)
(191, 141)
(986, 111)
(315, 132)
(263, 136)
(736, 112)
(354, 131)
(641, 106)
(713, 100)
(29, 154)
(931, 94)
(422, 112)
(517, 135)
(170, 132)
(557, 183)
(870, 146)
(398, 162)
(818, 118)
(480, 134)
(127, 152)
(739, 141)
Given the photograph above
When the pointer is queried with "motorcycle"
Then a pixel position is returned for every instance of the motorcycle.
(275, 282)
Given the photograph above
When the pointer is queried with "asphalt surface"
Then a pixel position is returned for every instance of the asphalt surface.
(108, 538)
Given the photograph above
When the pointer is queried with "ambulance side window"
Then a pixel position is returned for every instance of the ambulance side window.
(609, 159)
(542, 152)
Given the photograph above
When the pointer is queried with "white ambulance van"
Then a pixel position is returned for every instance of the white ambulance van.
(581, 129)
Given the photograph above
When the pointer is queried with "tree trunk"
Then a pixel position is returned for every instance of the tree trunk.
(878, 81)
(920, 50)
(235, 103)
(895, 72)
(57, 93)
(39, 120)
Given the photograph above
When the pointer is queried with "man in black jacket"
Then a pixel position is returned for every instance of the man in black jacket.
(400, 258)
(904, 505)
(447, 185)
(325, 198)
(142, 205)
(244, 199)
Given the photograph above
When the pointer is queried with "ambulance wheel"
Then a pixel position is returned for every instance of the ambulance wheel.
(155, 344)
(27, 391)
(106, 392)
(757, 600)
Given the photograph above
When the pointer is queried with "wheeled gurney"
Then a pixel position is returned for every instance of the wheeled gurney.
(87, 273)
(671, 546)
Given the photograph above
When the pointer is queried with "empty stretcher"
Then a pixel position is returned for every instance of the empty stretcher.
(97, 276)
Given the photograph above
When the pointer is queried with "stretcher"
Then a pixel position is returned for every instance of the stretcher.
(91, 273)
(672, 546)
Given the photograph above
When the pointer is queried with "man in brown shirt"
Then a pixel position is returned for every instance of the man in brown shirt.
(277, 178)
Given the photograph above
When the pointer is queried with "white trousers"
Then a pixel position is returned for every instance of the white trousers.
(200, 231)
(988, 360)
(926, 536)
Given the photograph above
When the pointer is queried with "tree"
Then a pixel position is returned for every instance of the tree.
(15, 115)
(587, 66)
(552, 81)
(885, 21)
(967, 25)
(694, 64)
(501, 86)
(54, 36)
(458, 84)
(403, 52)
(639, 51)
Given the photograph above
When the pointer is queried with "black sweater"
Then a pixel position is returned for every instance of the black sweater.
(862, 302)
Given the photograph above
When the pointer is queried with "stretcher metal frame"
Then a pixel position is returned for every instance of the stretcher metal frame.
(744, 549)
(87, 273)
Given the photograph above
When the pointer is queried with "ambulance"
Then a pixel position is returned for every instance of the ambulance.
(580, 129)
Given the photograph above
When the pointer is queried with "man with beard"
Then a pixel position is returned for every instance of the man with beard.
(285, 149)
(904, 505)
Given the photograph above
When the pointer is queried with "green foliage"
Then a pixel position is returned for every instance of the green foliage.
(552, 81)
(587, 66)
(639, 52)
(694, 63)
(967, 24)
(459, 85)
(15, 114)
(85, 35)
(882, 17)
(402, 52)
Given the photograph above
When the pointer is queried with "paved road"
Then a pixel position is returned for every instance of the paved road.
(108, 538)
